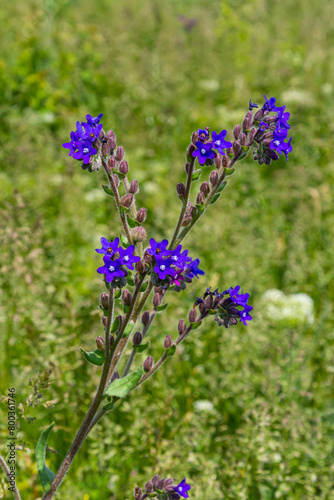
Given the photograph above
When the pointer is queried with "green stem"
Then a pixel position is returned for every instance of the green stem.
(6, 470)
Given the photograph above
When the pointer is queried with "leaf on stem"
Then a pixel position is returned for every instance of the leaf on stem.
(161, 308)
(143, 287)
(196, 175)
(128, 329)
(222, 187)
(122, 386)
(229, 171)
(130, 280)
(142, 347)
(107, 189)
(133, 222)
(124, 240)
(215, 198)
(46, 475)
(114, 326)
(195, 325)
(171, 350)
(96, 357)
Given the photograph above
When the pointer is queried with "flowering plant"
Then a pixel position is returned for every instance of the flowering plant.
(131, 269)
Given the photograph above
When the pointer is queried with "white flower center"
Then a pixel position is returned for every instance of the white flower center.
(85, 150)
(111, 269)
(126, 258)
(162, 267)
(175, 258)
(203, 151)
(218, 143)
(180, 488)
(277, 143)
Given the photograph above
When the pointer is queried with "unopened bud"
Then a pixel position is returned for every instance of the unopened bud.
(209, 302)
(111, 135)
(114, 376)
(246, 124)
(218, 160)
(200, 198)
(266, 142)
(202, 307)
(104, 300)
(194, 137)
(138, 493)
(190, 150)
(168, 342)
(111, 340)
(236, 147)
(149, 487)
(100, 343)
(138, 234)
(259, 115)
(148, 363)
(140, 267)
(104, 320)
(205, 188)
(120, 153)
(105, 148)
(116, 180)
(181, 326)
(134, 188)
(229, 151)
(157, 299)
(187, 167)
(145, 318)
(126, 200)
(181, 190)
(243, 139)
(251, 136)
(126, 297)
(214, 178)
(141, 215)
(268, 135)
(186, 220)
(124, 167)
(155, 480)
(226, 161)
(112, 162)
(192, 315)
(236, 131)
(137, 338)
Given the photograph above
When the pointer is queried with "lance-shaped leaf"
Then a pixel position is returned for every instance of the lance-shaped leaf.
(215, 198)
(115, 325)
(196, 175)
(128, 329)
(161, 308)
(96, 357)
(171, 350)
(142, 347)
(107, 190)
(222, 187)
(132, 222)
(45, 474)
(229, 171)
(120, 387)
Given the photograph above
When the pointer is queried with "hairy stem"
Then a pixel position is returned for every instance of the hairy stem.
(134, 213)
(6, 470)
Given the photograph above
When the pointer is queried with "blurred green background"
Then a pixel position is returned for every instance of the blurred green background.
(266, 427)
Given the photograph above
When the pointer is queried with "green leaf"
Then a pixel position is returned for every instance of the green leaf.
(215, 198)
(126, 308)
(171, 351)
(108, 406)
(130, 280)
(122, 386)
(96, 357)
(200, 207)
(114, 326)
(144, 286)
(196, 175)
(133, 222)
(195, 325)
(229, 171)
(142, 347)
(128, 329)
(222, 187)
(107, 189)
(212, 311)
(161, 308)
(245, 150)
(124, 241)
(45, 474)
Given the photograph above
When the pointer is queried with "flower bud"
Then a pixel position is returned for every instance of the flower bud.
(190, 150)
(187, 167)
(105, 148)
(236, 147)
(114, 376)
(116, 180)
(205, 188)
(157, 299)
(251, 136)
(138, 234)
(148, 363)
(124, 167)
(181, 326)
(100, 343)
(214, 178)
(209, 302)
(168, 342)
(126, 200)
(138, 493)
(268, 135)
(226, 160)
(145, 318)
(126, 297)
(120, 153)
(111, 135)
(259, 115)
(194, 137)
(149, 487)
(218, 160)
(134, 188)
(202, 307)
(246, 124)
(181, 190)
(192, 315)
(112, 162)
(137, 338)
(155, 480)
(266, 142)
(236, 131)
(200, 198)
(111, 340)
(243, 139)
(104, 320)
(141, 215)
(229, 151)
(104, 300)
(186, 220)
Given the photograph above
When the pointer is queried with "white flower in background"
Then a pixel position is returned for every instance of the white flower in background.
(203, 405)
(295, 309)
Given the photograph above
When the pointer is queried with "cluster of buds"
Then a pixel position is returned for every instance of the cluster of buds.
(163, 489)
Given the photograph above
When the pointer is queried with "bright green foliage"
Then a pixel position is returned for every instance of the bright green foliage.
(270, 431)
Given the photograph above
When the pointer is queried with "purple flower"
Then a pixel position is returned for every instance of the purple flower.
(180, 258)
(204, 152)
(111, 269)
(91, 133)
(203, 134)
(108, 247)
(244, 315)
(193, 269)
(263, 126)
(85, 151)
(177, 279)
(158, 248)
(270, 104)
(71, 145)
(127, 257)
(93, 121)
(182, 488)
(252, 105)
(280, 146)
(163, 267)
(282, 119)
(219, 142)
(240, 299)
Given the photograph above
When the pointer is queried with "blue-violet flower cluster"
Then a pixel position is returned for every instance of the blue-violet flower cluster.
(116, 259)
(230, 306)
(205, 147)
(82, 144)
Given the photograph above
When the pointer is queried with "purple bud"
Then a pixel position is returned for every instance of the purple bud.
(243, 139)
(157, 299)
(181, 326)
(149, 487)
(138, 493)
(181, 190)
(246, 124)
(205, 188)
(140, 267)
(218, 160)
(112, 139)
(126, 297)
(200, 198)
(124, 167)
(134, 188)
(137, 338)
(209, 302)
(168, 342)
(104, 300)
(236, 131)
(187, 167)
(202, 307)
(126, 200)
(120, 153)
(192, 315)
(138, 234)
(105, 148)
(266, 142)
(258, 115)
(111, 340)
(104, 320)
(190, 150)
(100, 343)
(186, 220)
(145, 318)
(236, 147)
(155, 480)
(251, 136)
(148, 363)
(112, 162)
(141, 215)
(116, 180)
(194, 137)
(229, 151)
(214, 178)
